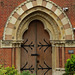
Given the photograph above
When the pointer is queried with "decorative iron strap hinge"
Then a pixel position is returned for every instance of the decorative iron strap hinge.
(23, 45)
(30, 68)
(48, 68)
(41, 45)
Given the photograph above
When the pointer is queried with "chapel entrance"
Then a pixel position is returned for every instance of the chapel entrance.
(36, 52)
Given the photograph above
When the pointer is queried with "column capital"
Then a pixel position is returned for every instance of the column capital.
(58, 43)
(10, 43)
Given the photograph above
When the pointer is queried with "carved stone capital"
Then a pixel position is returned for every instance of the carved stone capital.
(58, 43)
(70, 43)
(6, 43)
(10, 43)
(17, 43)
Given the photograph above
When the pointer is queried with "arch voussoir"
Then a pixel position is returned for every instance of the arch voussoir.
(15, 16)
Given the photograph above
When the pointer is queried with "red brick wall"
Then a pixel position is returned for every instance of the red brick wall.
(67, 56)
(7, 6)
(5, 56)
(71, 11)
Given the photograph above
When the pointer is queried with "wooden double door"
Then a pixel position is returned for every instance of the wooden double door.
(36, 52)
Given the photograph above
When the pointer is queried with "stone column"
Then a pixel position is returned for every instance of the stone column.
(13, 56)
(18, 58)
(58, 70)
(63, 59)
(17, 50)
(57, 56)
(53, 59)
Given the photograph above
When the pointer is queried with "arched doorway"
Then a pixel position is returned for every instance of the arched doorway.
(55, 22)
(36, 53)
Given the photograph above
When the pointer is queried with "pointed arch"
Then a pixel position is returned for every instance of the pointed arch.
(30, 6)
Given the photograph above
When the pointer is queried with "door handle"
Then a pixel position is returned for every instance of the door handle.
(34, 54)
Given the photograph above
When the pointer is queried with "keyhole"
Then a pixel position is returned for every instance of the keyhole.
(37, 61)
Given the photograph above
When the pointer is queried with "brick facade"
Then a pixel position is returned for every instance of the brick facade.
(6, 56)
(7, 6)
(67, 55)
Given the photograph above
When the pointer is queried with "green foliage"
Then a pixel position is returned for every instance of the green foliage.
(2, 70)
(8, 70)
(25, 73)
(70, 66)
(11, 71)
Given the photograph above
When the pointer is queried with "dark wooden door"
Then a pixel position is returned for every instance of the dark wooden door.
(36, 53)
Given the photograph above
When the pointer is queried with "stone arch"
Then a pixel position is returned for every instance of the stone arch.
(46, 6)
(48, 25)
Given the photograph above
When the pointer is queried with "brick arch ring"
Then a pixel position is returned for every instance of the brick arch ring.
(29, 4)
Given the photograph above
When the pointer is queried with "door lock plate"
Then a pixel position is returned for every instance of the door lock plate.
(34, 54)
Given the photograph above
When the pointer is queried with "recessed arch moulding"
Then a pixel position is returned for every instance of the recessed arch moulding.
(52, 16)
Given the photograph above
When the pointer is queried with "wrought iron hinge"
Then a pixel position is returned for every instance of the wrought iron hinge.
(48, 68)
(30, 68)
(41, 45)
(23, 45)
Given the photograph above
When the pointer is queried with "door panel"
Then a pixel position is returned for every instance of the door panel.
(44, 51)
(26, 58)
(36, 50)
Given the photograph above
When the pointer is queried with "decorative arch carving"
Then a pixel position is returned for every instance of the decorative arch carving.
(49, 25)
(30, 6)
